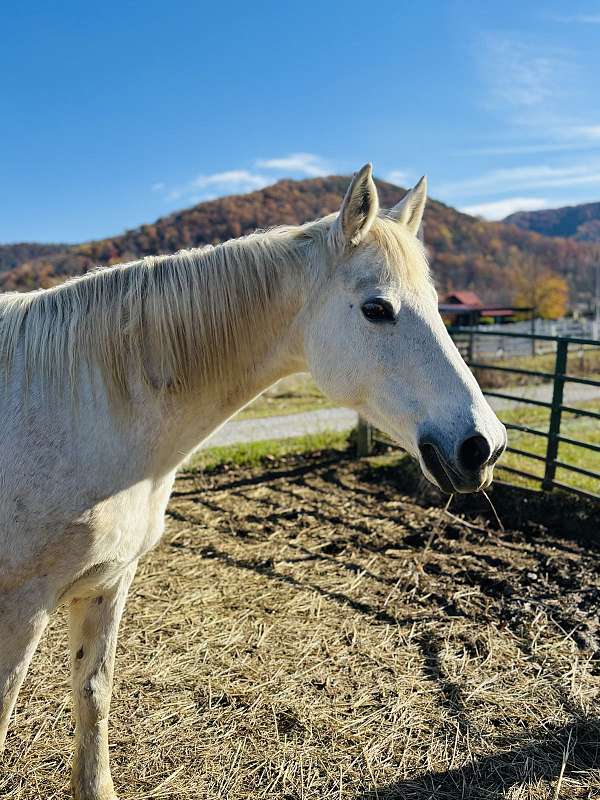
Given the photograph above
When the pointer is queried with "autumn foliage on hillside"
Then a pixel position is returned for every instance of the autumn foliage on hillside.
(465, 253)
(11, 255)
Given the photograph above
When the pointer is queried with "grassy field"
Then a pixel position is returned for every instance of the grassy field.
(580, 363)
(251, 454)
(307, 632)
(288, 396)
(573, 426)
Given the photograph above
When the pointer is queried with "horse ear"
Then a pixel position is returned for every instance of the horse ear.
(409, 211)
(358, 210)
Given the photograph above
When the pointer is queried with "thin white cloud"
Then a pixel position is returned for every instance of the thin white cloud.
(398, 177)
(239, 181)
(542, 147)
(584, 19)
(536, 85)
(302, 163)
(233, 181)
(542, 92)
(522, 74)
(498, 209)
(591, 133)
(525, 177)
(232, 177)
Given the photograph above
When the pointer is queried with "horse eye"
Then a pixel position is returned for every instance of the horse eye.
(379, 310)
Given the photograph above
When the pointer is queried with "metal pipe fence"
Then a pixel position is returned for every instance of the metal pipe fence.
(556, 434)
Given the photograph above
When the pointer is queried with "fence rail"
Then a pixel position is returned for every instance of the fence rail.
(556, 407)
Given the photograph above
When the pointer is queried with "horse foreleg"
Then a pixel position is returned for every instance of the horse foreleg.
(21, 627)
(93, 633)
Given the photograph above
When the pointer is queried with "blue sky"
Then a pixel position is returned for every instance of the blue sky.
(114, 114)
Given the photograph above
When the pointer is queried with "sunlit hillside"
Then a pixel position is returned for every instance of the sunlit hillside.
(465, 252)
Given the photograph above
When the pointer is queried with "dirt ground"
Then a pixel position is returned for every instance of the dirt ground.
(306, 631)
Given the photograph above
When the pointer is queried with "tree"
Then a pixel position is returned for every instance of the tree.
(538, 287)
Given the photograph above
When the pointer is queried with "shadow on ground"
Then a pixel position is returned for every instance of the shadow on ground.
(325, 526)
(541, 758)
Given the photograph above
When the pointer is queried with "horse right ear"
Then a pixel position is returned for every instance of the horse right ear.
(409, 211)
(359, 209)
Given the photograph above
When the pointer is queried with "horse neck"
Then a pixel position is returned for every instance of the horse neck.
(273, 348)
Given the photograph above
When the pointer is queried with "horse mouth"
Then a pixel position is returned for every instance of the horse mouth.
(447, 478)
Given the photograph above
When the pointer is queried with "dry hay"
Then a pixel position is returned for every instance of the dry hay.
(307, 632)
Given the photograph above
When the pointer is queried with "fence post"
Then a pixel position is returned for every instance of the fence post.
(471, 345)
(560, 369)
(364, 438)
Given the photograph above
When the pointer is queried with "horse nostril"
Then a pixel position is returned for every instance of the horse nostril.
(474, 453)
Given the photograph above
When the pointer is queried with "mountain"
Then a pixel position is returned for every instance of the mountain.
(11, 255)
(580, 222)
(465, 252)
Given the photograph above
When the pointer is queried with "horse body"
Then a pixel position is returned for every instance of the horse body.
(62, 490)
(125, 382)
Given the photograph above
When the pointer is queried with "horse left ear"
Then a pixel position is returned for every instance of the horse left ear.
(359, 209)
(409, 211)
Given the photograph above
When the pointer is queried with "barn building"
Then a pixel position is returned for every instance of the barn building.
(465, 307)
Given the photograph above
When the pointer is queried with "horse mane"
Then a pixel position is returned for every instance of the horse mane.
(193, 311)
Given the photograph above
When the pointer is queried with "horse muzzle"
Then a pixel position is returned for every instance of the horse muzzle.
(468, 469)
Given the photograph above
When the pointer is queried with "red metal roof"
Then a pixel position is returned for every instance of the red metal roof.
(464, 297)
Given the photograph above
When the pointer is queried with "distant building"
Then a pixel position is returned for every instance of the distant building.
(466, 308)
(464, 298)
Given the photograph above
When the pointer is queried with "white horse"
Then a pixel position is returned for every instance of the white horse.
(109, 381)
